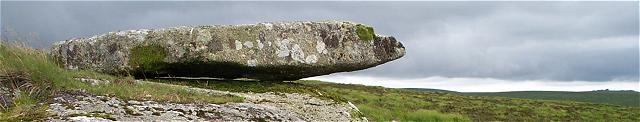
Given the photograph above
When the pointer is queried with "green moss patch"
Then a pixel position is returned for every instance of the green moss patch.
(365, 32)
(147, 58)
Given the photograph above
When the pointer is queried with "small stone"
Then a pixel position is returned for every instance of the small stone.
(238, 45)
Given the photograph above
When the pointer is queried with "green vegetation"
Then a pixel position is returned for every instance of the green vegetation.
(29, 68)
(25, 108)
(39, 77)
(432, 116)
(364, 97)
(364, 32)
(430, 90)
(385, 104)
(147, 58)
(624, 98)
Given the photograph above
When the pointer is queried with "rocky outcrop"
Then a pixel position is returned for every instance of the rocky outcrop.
(80, 106)
(264, 51)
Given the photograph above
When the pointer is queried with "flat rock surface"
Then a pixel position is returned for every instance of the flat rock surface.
(265, 51)
(79, 106)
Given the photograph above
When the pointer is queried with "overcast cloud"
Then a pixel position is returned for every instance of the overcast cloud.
(510, 41)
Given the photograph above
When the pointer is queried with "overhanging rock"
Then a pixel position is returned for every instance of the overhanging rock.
(264, 51)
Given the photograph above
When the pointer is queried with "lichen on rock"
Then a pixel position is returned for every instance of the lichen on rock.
(264, 51)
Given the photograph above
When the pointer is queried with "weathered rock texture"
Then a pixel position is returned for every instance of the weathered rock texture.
(80, 106)
(265, 51)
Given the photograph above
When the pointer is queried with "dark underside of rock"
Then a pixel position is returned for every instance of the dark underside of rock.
(264, 51)
(230, 70)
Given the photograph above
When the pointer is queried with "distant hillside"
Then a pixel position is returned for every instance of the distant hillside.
(430, 90)
(624, 98)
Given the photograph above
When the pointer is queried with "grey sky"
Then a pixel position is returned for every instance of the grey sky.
(560, 41)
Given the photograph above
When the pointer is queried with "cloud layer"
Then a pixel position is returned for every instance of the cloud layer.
(515, 41)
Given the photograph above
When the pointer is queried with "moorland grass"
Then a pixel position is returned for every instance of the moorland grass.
(323, 90)
(613, 97)
(386, 104)
(624, 98)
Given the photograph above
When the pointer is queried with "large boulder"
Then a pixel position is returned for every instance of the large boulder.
(264, 51)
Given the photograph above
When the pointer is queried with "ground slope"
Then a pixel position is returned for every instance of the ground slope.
(385, 104)
(623, 98)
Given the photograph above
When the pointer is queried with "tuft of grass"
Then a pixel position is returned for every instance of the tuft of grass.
(364, 32)
(25, 108)
(40, 70)
(41, 73)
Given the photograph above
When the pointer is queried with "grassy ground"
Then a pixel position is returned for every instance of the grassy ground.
(44, 77)
(365, 98)
(385, 104)
(624, 98)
